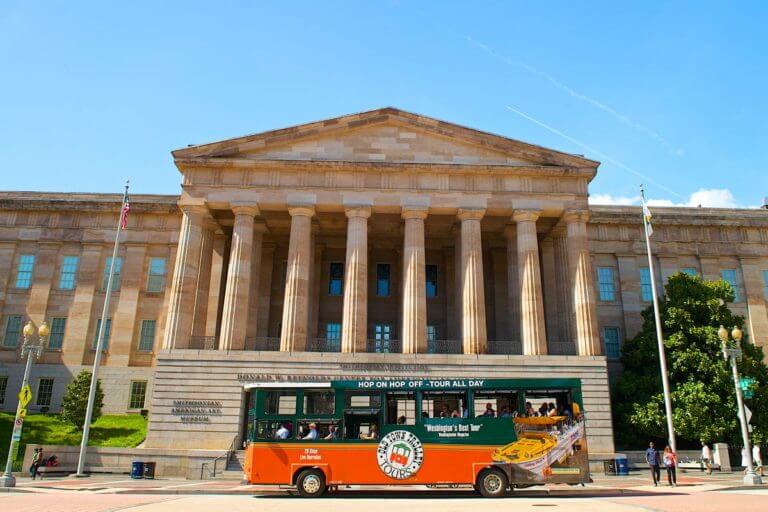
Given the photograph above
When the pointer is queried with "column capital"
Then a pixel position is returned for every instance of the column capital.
(242, 208)
(415, 212)
(557, 231)
(571, 216)
(470, 213)
(529, 215)
(306, 210)
(362, 211)
(197, 211)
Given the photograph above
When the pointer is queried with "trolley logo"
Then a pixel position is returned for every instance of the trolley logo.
(400, 454)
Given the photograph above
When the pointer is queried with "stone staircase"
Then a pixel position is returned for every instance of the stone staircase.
(234, 468)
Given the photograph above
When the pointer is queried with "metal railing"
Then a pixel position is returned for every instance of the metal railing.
(561, 348)
(203, 342)
(444, 347)
(507, 347)
(324, 345)
(384, 346)
(265, 344)
(210, 467)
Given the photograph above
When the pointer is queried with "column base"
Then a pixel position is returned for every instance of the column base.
(7, 481)
(752, 478)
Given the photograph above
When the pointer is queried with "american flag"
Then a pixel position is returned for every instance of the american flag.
(124, 211)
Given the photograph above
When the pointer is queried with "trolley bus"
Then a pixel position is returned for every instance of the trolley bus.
(493, 434)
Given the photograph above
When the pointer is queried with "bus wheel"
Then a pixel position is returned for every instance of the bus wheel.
(492, 483)
(310, 483)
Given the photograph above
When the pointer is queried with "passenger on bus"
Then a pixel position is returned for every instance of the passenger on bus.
(505, 412)
(425, 414)
(455, 414)
(464, 412)
(551, 411)
(489, 412)
(373, 433)
(284, 432)
(444, 412)
(529, 410)
(312, 435)
(401, 420)
(333, 433)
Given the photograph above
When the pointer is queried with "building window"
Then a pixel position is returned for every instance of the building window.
(432, 339)
(690, 271)
(56, 339)
(3, 387)
(12, 331)
(25, 270)
(606, 285)
(382, 279)
(645, 284)
(107, 330)
(336, 282)
(156, 279)
(729, 276)
(765, 283)
(116, 278)
(611, 337)
(138, 394)
(44, 392)
(381, 338)
(333, 336)
(147, 336)
(431, 280)
(68, 275)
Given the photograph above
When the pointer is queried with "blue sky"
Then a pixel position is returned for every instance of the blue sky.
(93, 93)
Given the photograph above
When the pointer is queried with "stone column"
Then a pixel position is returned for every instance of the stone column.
(473, 328)
(532, 326)
(203, 280)
(582, 285)
(549, 286)
(295, 306)
(234, 318)
(354, 327)
(458, 311)
(178, 326)
(218, 259)
(513, 284)
(564, 301)
(754, 292)
(414, 334)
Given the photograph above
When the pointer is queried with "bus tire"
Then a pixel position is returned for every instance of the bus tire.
(310, 483)
(492, 483)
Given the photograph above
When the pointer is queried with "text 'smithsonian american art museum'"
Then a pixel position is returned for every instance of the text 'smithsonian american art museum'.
(376, 245)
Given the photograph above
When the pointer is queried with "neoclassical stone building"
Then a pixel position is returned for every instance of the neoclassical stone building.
(376, 244)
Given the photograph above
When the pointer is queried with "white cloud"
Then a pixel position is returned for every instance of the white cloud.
(704, 197)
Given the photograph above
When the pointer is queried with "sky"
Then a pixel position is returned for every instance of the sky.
(669, 94)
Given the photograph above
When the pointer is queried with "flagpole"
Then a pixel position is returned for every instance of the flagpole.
(659, 334)
(100, 343)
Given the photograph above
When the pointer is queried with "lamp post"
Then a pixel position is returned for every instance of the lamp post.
(31, 348)
(734, 354)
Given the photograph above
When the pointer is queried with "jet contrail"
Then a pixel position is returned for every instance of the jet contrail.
(595, 151)
(575, 94)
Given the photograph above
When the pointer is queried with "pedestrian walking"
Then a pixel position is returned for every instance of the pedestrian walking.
(757, 458)
(744, 453)
(37, 459)
(670, 462)
(706, 457)
(652, 458)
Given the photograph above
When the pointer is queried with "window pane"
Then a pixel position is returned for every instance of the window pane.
(431, 339)
(107, 330)
(147, 337)
(44, 392)
(606, 285)
(3, 387)
(56, 338)
(381, 337)
(401, 408)
(645, 284)
(333, 335)
(138, 394)
(25, 270)
(12, 331)
(690, 271)
(274, 429)
(612, 348)
(319, 402)
(68, 272)
(444, 404)
(280, 402)
(495, 404)
(335, 285)
(765, 283)
(431, 280)
(116, 278)
(731, 277)
(156, 278)
(382, 279)
(363, 399)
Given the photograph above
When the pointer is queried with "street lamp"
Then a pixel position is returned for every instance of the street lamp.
(734, 354)
(31, 348)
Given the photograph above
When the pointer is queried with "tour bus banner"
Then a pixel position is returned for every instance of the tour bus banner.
(438, 384)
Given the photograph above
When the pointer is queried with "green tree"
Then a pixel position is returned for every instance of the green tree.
(703, 396)
(75, 400)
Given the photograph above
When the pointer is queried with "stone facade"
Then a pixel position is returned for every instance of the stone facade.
(383, 243)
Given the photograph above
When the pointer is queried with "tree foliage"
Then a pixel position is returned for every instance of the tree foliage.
(75, 401)
(701, 381)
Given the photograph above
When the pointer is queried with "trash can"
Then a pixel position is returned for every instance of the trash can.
(609, 466)
(622, 465)
(137, 469)
(149, 470)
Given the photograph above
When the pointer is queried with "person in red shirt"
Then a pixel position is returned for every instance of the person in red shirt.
(670, 462)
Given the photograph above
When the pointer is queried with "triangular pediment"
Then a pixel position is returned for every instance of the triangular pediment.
(385, 135)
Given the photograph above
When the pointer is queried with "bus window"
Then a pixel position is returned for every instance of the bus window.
(274, 429)
(280, 402)
(401, 408)
(496, 404)
(361, 415)
(444, 404)
(364, 399)
(548, 403)
(324, 430)
(319, 402)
